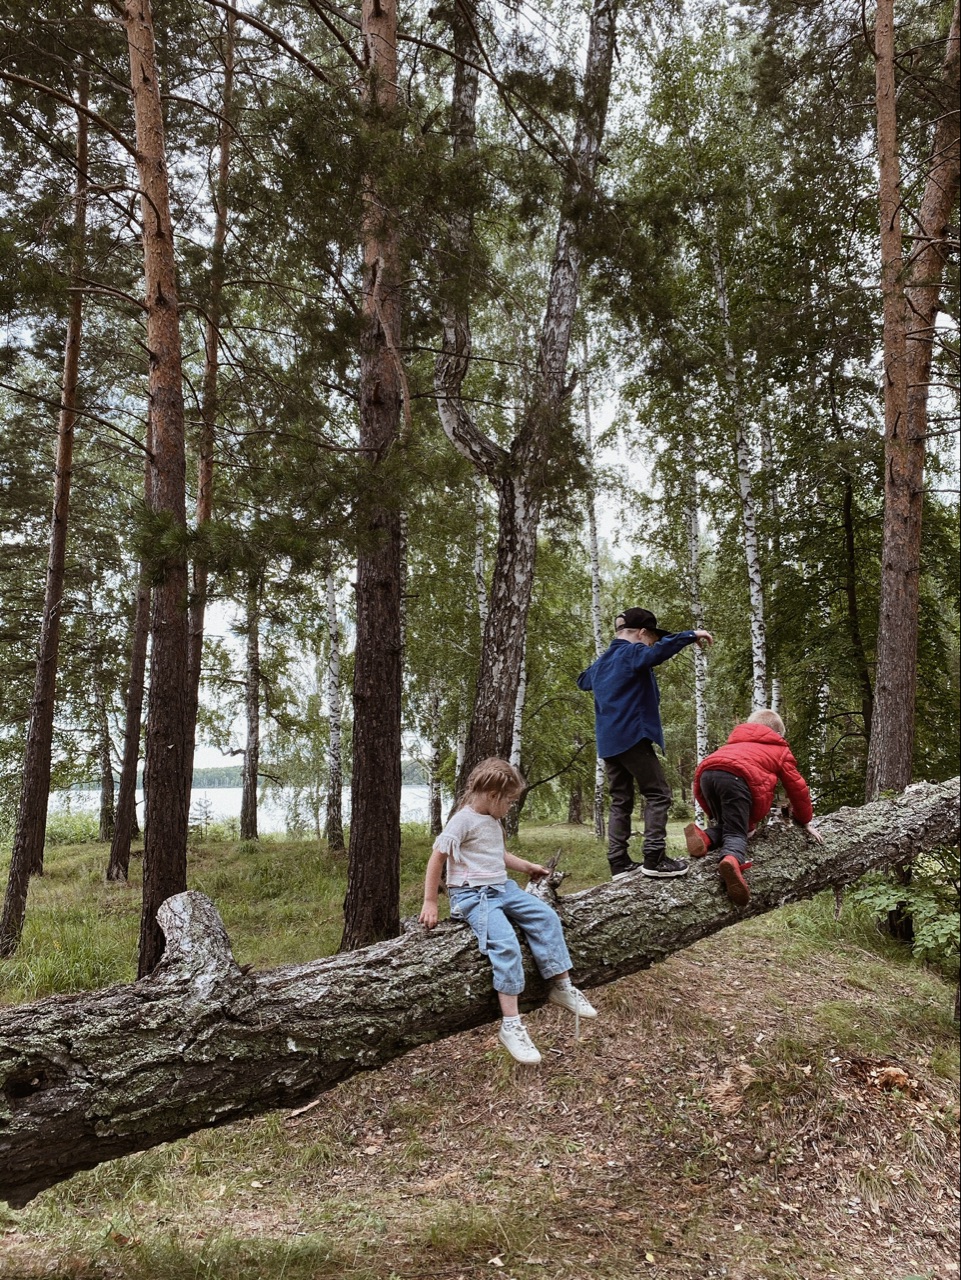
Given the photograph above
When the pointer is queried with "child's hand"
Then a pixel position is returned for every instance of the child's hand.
(428, 915)
(535, 870)
(812, 831)
(704, 639)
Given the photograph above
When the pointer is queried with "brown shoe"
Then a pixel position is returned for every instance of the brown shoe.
(737, 887)
(696, 840)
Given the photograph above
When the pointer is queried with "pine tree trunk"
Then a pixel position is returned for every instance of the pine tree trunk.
(27, 854)
(334, 820)
(89, 1077)
(909, 332)
(165, 776)
(251, 764)
(371, 907)
(209, 392)
(118, 866)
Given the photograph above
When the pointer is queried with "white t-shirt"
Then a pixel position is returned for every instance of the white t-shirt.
(474, 844)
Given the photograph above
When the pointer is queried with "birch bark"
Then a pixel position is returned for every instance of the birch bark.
(334, 821)
(251, 756)
(518, 473)
(599, 821)
(742, 450)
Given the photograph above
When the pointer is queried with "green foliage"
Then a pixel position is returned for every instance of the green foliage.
(72, 826)
(932, 897)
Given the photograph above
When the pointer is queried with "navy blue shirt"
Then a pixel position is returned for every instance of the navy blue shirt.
(627, 701)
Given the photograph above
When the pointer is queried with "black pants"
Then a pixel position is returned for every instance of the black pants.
(641, 766)
(728, 801)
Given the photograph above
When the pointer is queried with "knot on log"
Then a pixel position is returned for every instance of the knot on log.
(197, 946)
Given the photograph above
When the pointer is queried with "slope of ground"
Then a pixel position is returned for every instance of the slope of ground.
(779, 1102)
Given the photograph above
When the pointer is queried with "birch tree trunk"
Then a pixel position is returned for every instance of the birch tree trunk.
(90, 1077)
(118, 866)
(433, 765)
(909, 333)
(101, 722)
(166, 789)
(519, 473)
(480, 568)
(27, 854)
(600, 824)
(371, 907)
(334, 820)
(742, 450)
(692, 518)
(251, 760)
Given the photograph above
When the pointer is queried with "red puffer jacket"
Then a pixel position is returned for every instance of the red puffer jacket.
(763, 759)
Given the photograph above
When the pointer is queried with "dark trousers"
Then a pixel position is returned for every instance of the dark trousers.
(728, 801)
(638, 766)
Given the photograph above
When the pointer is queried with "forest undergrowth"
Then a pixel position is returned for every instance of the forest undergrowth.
(777, 1102)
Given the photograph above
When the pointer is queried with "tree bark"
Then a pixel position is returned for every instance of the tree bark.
(209, 392)
(909, 331)
(520, 473)
(199, 1043)
(118, 865)
(597, 808)
(101, 722)
(27, 855)
(334, 820)
(371, 906)
(251, 762)
(742, 453)
(165, 775)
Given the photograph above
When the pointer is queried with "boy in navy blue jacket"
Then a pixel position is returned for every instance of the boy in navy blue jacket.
(627, 725)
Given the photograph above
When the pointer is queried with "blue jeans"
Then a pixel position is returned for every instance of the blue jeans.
(491, 911)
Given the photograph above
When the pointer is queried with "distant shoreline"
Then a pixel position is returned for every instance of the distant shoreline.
(209, 779)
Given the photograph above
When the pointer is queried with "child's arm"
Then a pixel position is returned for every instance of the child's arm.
(532, 869)
(797, 790)
(435, 866)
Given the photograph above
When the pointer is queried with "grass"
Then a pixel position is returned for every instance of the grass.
(720, 1118)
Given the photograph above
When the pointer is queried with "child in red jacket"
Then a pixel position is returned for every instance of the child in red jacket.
(735, 785)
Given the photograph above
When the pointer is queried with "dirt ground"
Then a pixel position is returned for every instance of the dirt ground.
(753, 1109)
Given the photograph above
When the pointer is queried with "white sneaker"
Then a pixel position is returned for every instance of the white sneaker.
(518, 1043)
(573, 1000)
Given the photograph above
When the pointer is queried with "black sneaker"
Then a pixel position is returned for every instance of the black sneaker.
(664, 868)
(626, 868)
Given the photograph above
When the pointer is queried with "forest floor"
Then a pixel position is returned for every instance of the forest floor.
(777, 1102)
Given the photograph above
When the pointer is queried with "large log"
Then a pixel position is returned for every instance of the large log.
(197, 1043)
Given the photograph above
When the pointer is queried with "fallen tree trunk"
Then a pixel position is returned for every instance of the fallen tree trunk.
(199, 1042)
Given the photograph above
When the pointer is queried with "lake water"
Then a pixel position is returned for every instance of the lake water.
(216, 804)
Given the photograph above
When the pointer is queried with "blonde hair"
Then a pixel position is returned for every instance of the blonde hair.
(764, 715)
(492, 776)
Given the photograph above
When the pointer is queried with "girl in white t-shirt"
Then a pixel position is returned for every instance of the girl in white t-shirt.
(472, 848)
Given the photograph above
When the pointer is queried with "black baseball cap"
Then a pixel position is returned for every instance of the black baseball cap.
(639, 620)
